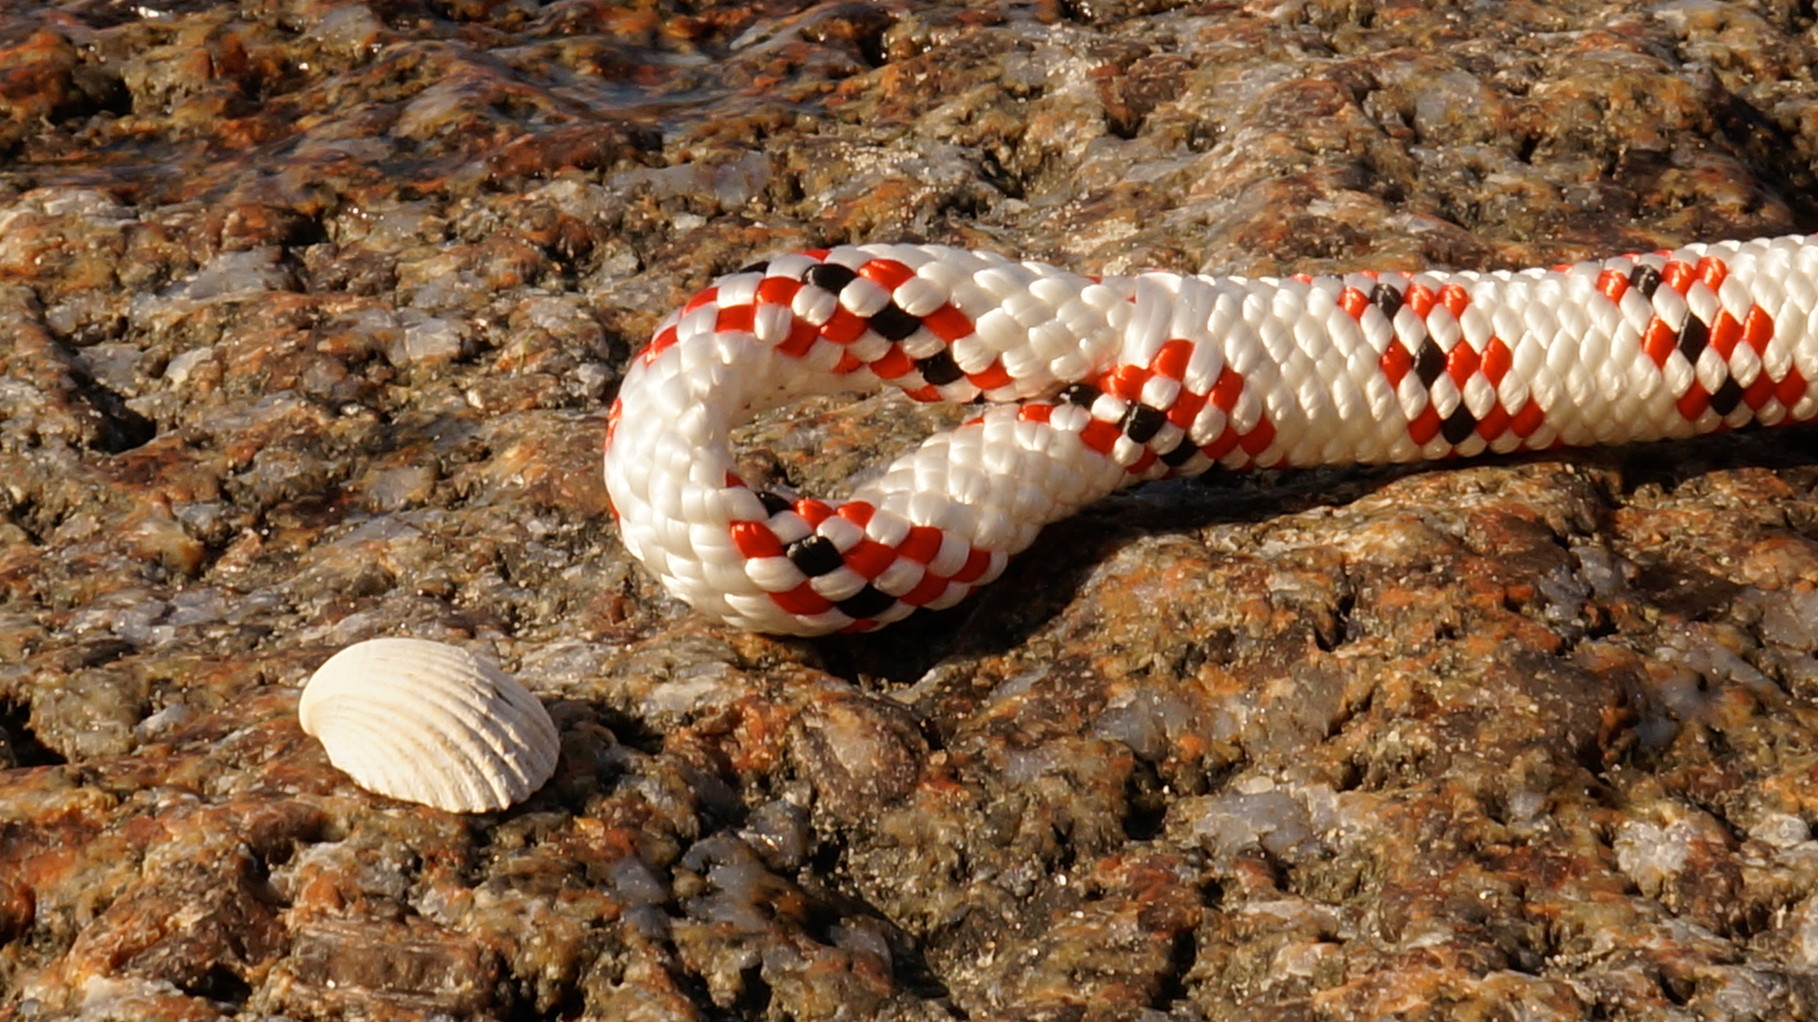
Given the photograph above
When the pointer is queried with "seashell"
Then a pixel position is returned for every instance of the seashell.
(428, 722)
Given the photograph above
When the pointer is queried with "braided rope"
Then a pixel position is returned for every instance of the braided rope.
(1103, 383)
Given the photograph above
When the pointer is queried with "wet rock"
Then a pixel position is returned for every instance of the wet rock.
(857, 754)
(310, 316)
(410, 968)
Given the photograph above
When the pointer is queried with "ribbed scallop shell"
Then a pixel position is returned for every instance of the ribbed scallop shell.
(427, 722)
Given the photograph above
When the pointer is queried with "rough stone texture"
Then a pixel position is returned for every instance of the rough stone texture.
(308, 315)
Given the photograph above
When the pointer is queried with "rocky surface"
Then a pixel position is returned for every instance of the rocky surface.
(308, 315)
